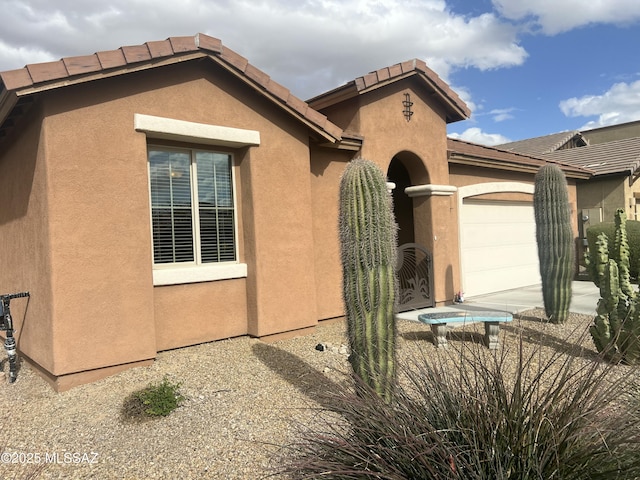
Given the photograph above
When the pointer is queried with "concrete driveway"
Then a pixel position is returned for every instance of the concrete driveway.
(584, 300)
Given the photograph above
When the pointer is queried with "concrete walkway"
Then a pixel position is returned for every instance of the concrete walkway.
(584, 299)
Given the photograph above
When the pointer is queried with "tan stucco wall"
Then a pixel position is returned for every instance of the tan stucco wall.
(607, 194)
(326, 170)
(388, 134)
(91, 268)
(421, 145)
(25, 237)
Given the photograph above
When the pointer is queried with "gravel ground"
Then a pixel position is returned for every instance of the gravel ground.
(243, 398)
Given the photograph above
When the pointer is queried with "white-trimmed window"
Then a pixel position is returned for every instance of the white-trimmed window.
(192, 206)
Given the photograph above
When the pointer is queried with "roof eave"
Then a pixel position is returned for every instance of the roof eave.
(8, 100)
(330, 132)
(454, 112)
(468, 160)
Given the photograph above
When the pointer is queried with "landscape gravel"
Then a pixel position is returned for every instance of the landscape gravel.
(244, 401)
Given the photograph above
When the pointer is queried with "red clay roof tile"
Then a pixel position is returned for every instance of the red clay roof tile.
(111, 59)
(80, 65)
(370, 79)
(460, 151)
(383, 74)
(43, 73)
(257, 75)
(206, 42)
(183, 44)
(297, 104)
(395, 70)
(234, 59)
(158, 49)
(277, 89)
(136, 53)
(456, 108)
(14, 79)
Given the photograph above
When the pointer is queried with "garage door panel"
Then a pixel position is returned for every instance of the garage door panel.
(509, 256)
(501, 234)
(499, 249)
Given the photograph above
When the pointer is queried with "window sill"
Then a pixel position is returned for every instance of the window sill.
(208, 273)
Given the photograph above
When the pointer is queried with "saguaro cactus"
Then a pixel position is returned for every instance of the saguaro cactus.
(554, 236)
(368, 249)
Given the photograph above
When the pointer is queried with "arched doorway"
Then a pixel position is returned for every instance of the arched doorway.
(415, 260)
(402, 203)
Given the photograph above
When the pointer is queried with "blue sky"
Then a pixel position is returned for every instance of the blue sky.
(526, 68)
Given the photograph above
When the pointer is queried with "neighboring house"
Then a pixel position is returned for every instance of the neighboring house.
(612, 153)
(168, 194)
(546, 144)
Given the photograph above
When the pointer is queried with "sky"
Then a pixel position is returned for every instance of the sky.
(525, 68)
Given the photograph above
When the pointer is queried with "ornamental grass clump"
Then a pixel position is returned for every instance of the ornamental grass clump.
(560, 417)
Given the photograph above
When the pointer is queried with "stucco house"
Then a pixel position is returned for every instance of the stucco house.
(167, 194)
(612, 153)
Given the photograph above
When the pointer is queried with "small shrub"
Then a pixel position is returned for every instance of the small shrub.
(160, 399)
(557, 417)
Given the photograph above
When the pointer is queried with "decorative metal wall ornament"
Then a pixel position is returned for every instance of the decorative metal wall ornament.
(407, 107)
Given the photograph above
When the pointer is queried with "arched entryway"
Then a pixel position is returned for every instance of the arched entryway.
(398, 175)
(415, 258)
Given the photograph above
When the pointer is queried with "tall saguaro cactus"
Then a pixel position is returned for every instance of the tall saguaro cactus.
(368, 249)
(554, 237)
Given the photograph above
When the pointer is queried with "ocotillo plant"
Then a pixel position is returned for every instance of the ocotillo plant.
(616, 327)
(368, 248)
(554, 237)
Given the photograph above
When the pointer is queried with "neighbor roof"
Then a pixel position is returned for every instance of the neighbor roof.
(456, 109)
(544, 144)
(16, 86)
(616, 157)
(467, 153)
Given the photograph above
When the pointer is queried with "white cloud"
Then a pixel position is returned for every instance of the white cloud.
(307, 46)
(465, 96)
(476, 135)
(502, 114)
(557, 16)
(620, 104)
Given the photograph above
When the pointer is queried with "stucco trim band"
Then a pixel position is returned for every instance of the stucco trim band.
(430, 189)
(493, 187)
(171, 129)
(206, 273)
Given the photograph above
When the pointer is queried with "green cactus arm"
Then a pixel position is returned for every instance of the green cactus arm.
(621, 253)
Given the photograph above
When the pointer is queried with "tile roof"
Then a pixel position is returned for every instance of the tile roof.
(38, 77)
(456, 108)
(467, 153)
(540, 145)
(616, 157)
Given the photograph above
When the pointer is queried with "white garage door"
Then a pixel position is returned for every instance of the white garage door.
(499, 250)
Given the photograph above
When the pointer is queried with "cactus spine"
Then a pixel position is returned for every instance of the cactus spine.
(368, 250)
(554, 237)
(616, 327)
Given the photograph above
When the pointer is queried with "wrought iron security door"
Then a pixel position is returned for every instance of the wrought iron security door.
(415, 277)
